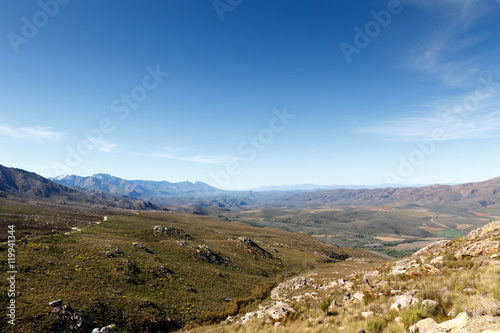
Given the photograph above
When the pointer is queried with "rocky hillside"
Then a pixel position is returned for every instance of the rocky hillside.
(18, 184)
(449, 286)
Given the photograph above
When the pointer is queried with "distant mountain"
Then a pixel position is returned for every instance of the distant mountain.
(479, 194)
(105, 183)
(21, 184)
(142, 189)
(314, 187)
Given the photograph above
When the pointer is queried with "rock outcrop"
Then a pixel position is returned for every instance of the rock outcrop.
(253, 248)
(170, 232)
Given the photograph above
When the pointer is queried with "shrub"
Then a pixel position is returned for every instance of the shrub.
(325, 303)
(413, 314)
(376, 325)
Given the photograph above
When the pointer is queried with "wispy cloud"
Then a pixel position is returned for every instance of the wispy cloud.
(35, 134)
(102, 145)
(452, 119)
(435, 54)
(422, 128)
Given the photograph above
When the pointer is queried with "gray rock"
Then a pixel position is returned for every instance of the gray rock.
(280, 311)
(427, 303)
(403, 301)
(139, 245)
(59, 302)
(106, 329)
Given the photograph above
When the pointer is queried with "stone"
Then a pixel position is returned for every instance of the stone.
(432, 249)
(478, 248)
(427, 303)
(110, 254)
(170, 232)
(106, 329)
(403, 266)
(139, 245)
(279, 311)
(437, 261)
(455, 324)
(430, 269)
(367, 314)
(276, 324)
(491, 262)
(359, 296)
(59, 302)
(403, 301)
(348, 285)
(424, 326)
(332, 308)
(253, 248)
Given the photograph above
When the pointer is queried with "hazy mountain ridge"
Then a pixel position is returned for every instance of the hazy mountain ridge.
(315, 187)
(473, 194)
(479, 194)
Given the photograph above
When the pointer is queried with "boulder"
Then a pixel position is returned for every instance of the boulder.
(140, 246)
(477, 249)
(432, 249)
(170, 232)
(455, 324)
(59, 302)
(332, 308)
(430, 269)
(209, 256)
(424, 326)
(359, 296)
(427, 303)
(437, 261)
(279, 311)
(404, 301)
(403, 266)
(253, 248)
(106, 329)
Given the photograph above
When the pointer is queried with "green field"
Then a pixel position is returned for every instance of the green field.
(450, 233)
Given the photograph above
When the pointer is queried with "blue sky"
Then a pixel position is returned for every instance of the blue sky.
(241, 93)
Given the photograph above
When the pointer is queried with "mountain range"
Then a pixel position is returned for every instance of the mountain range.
(152, 193)
(476, 194)
(21, 184)
(137, 188)
(315, 187)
